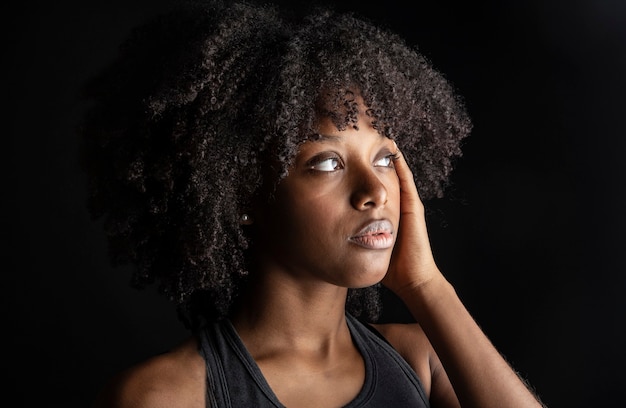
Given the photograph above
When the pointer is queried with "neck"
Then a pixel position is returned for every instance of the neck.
(292, 313)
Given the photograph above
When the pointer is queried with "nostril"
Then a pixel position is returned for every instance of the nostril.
(370, 193)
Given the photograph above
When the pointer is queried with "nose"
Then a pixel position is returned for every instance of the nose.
(368, 191)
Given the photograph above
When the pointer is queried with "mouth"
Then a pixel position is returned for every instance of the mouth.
(377, 234)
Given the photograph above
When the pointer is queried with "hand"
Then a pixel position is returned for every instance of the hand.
(412, 263)
(479, 374)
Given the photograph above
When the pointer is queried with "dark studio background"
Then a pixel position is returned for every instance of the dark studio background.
(531, 232)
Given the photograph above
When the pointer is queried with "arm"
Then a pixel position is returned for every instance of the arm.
(176, 378)
(481, 377)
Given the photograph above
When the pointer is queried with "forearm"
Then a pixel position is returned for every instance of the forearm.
(479, 374)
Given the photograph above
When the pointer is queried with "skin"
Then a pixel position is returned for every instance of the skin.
(294, 323)
(293, 319)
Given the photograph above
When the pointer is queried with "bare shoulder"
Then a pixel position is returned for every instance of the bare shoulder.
(407, 338)
(410, 341)
(413, 345)
(175, 378)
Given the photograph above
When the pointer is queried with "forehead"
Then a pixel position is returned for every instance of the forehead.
(339, 110)
(361, 134)
(342, 105)
(327, 128)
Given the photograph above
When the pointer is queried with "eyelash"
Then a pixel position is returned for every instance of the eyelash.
(392, 158)
(317, 161)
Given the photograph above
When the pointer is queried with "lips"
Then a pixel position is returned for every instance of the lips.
(377, 234)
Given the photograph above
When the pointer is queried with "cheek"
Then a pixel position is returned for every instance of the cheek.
(301, 233)
(299, 215)
(393, 193)
(312, 217)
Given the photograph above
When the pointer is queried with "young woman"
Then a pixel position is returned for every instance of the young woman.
(265, 170)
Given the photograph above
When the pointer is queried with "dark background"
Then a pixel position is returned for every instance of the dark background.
(531, 232)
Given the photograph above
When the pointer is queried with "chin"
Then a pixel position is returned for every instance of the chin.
(369, 279)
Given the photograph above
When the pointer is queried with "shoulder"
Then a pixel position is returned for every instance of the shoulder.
(410, 341)
(175, 378)
(413, 345)
(407, 338)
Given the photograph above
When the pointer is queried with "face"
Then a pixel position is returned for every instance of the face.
(335, 216)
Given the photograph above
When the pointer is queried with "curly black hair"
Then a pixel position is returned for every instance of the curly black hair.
(202, 113)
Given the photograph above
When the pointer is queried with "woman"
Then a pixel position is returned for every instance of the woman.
(263, 169)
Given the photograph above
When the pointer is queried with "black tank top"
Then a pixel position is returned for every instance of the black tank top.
(235, 380)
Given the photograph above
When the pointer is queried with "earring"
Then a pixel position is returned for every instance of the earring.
(245, 219)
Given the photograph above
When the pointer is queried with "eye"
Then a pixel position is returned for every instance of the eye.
(332, 163)
(385, 161)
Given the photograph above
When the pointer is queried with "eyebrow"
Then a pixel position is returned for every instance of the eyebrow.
(319, 137)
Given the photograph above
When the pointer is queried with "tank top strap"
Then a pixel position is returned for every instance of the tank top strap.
(395, 383)
(235, 380)
(233, 377)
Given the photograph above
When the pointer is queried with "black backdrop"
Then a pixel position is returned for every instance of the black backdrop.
(531, 232)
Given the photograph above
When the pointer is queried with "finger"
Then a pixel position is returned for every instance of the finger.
(405, 176)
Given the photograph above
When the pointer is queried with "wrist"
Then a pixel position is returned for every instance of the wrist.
(418, 295)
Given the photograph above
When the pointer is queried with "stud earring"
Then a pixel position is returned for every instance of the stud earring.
(245, 219)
